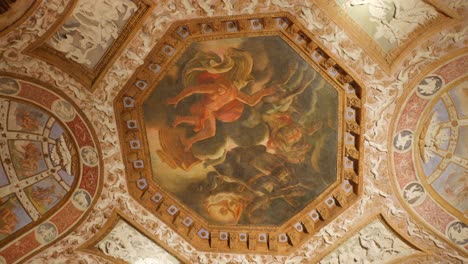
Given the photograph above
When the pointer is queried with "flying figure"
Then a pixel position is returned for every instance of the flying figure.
(402, 141)
(220, 84)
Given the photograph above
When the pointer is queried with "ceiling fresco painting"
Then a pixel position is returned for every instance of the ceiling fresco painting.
(389, 25)
(85, 44)
(237, 123)
(126, 243)
(232, 131)
(44, 189)
(120, 241)
(429, 157)
(83, 36)
(221, 135)
(384, 28)
(360, 247)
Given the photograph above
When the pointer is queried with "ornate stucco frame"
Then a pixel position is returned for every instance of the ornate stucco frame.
(142, 188)
(89, 77)
(390, 62)
(117, 216)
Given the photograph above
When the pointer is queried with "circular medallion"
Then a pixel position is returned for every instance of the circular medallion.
(64, 110)
(8, 86)
(81, 199)
(414, 193)
(458, 233)
(403, 140)
(429, 85)
(46, 233)
(89, 156)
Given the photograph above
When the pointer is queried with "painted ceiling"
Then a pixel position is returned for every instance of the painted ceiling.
(206, 131)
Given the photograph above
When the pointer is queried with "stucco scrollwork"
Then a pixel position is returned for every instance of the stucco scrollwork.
(126, 243)
(375, 243)
(395, 20)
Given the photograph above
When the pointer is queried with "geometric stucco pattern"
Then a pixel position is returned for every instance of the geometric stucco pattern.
(383, 91)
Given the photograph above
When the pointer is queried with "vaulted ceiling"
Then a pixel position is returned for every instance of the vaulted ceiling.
(229, 131)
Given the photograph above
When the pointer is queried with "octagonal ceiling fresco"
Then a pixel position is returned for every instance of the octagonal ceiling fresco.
(225, 129)
(241, 129)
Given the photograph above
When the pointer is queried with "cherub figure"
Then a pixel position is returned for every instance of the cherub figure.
(28, 120)
(220, 83)
(45, 195)
(25, 158)
(8, 220)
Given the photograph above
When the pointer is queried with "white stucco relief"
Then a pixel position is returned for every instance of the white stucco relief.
(126, 243)
(91, 29)
(375, 243)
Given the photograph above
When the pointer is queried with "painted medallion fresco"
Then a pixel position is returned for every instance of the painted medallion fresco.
(243, 131)
(443, 147)
(45, 189)
(430, 150)
(41, 163)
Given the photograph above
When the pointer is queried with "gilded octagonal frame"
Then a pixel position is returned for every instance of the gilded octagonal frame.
(248, 238)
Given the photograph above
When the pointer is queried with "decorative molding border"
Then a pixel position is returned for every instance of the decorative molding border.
(24, 244)
(86, 76)
(240, 239)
